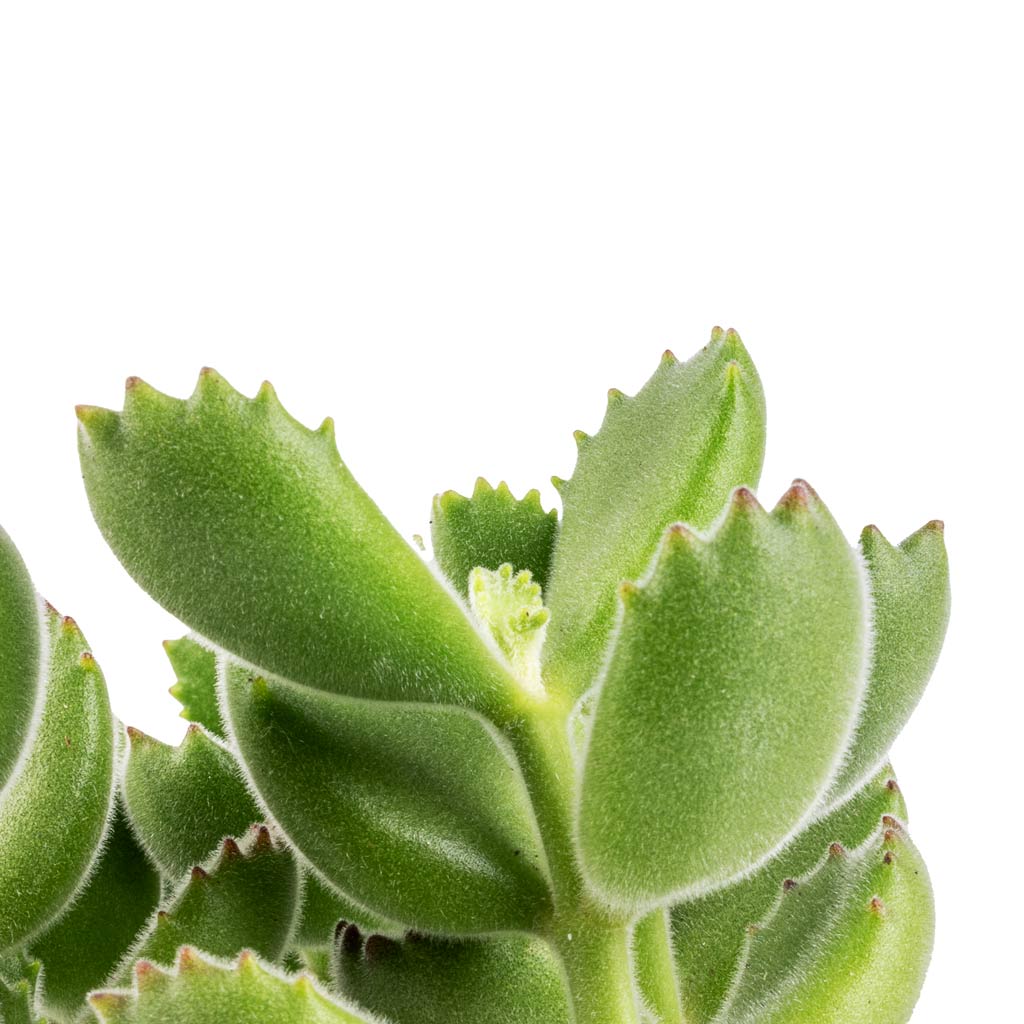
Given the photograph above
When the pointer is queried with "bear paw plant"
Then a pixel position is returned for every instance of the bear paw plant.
(626, 764)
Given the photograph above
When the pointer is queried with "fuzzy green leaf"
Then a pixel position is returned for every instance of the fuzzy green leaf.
(672, 452)
(244, 898)
(196, 686)
(54, 809)
(20, 644)
(82, 948)
(909, 587)
(512, 979)
(184, 800)
(18, 982)
(250, 528)
(729, 697)
(414, 810)
(323, 907)
(709, 933)
(202, 991)
(848, 944)
(490, 528)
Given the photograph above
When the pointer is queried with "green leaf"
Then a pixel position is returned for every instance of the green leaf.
(709, 933)
(416, 811)
(323, 907)
(82, 948)
(672, 452)
(196, 688)
(249, 527)
(514, 979)
(18, 982)
(490, 528)
(20, 643)
(729, 697)
(202, 991)
(848, 944)
(54, 809)
(909, 587)
(245, 898)
(184, 800)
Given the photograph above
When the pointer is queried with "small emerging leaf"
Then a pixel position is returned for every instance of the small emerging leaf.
(490, 528)
(196, 688)
(729, 696)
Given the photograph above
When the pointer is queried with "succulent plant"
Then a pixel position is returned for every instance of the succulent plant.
(626, 764)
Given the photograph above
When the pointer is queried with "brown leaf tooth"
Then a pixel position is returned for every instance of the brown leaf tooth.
(339, 929)
(876, 906)
(86, 660)
(378, 946)
(668, 356)
(800, 496)
(229, 849)
(717, 333)
(889, 822)
(888, 858)
(135, 735)
(789, 885)
(836, 850)
(68, 623)
(199, 874)
(263, 840)
(188, 960)
(351, 940)
(892, 785)
(146, 973)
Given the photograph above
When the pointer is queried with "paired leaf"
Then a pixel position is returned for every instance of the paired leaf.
(848, 944)
(514, 979)
(54, 810)
(729, 696)
(490, 528)
(82, 948)
(20, 653)
(196, 687)
(245, 899)
(202, 991)
(709, 933)
(416, 811)
(673, 452)
(909, 587)
(184, 800)
(250, 528)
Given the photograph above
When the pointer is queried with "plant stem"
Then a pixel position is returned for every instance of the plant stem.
(592, 941)
(655, 966)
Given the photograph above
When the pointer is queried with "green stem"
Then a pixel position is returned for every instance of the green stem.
(592, 942)
(655, 966)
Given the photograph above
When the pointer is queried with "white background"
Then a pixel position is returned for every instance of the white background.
(453, 227)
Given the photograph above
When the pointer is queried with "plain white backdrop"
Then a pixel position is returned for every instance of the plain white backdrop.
(453, 227)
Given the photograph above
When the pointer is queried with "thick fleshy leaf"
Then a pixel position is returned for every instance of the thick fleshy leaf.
(490, 528)
(20, 646)
(54, 809)
(416, 811)
(728, 699)
(909, 587)
(250, 528)
(85, 944)
(202, 991)
(196, 686)
(514, 979)
(848, 944)
(184, 800)
(709, 933)
(245, 898)
(673, 452)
